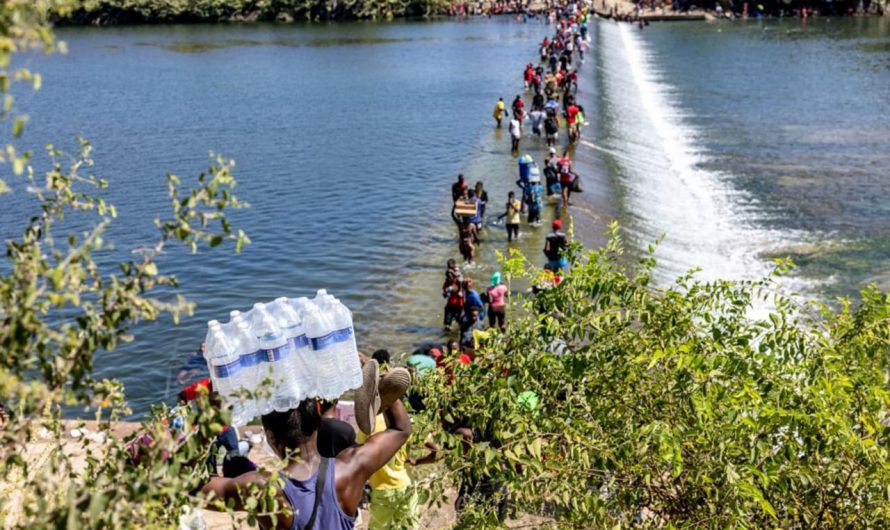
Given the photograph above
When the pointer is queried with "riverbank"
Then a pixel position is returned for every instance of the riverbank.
(85, 439)
(118, 12)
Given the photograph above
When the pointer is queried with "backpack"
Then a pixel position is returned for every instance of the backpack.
(576, 185)
(535, 196)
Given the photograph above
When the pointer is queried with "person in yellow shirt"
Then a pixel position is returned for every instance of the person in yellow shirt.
(394, 503)
(514, 209)
(499, 111)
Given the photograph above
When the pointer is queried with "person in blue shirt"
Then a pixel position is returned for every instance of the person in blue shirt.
(472, 300)
(534, 200)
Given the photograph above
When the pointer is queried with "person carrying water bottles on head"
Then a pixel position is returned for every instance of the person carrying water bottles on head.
(315, 492)
(555, 247)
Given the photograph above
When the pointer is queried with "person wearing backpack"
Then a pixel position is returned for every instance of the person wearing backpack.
(534, 200)
(555, 246)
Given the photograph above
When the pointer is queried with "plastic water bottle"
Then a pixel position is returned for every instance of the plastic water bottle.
(347, 352)
(320, 331)
(192, 519)
(248, 348)
(325, 303)
(226, 370)
(299, 366)
(274, 351)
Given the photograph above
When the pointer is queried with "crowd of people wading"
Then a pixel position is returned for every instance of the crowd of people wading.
(328, 471)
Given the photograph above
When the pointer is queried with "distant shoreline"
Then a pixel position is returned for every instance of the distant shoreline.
(160, 12)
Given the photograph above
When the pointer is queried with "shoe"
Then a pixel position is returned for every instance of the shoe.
(367, 400)
(393, 386)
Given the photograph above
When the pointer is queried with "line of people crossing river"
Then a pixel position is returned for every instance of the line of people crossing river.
(312, 442)
(552, 86)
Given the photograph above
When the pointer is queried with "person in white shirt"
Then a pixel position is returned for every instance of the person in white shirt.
(515, 133)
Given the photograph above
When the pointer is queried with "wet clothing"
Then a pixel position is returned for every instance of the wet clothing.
(497, 317)
(301, 497)
(512, 231)
(452, 314)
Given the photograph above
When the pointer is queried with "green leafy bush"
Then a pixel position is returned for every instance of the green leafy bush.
(691, 406)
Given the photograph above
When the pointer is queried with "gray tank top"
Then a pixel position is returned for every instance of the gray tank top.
(301, 496)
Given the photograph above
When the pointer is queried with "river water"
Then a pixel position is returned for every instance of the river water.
(736, 141)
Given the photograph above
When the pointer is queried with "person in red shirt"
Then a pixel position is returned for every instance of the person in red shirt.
(528, 75)
(518, 105)
(454, 305)
(566, 178)
(572, 117)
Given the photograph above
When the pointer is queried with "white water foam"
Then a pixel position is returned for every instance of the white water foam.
(706, 223)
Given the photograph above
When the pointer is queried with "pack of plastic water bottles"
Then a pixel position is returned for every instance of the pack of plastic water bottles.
(298, 347)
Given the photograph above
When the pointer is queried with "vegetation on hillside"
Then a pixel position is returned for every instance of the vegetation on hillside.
(163, 11)
(675, 406)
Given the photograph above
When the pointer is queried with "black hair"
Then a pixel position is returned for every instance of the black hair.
(293, 427)
(381, 356)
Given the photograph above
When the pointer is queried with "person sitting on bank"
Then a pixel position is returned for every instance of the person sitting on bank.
(293, 436)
